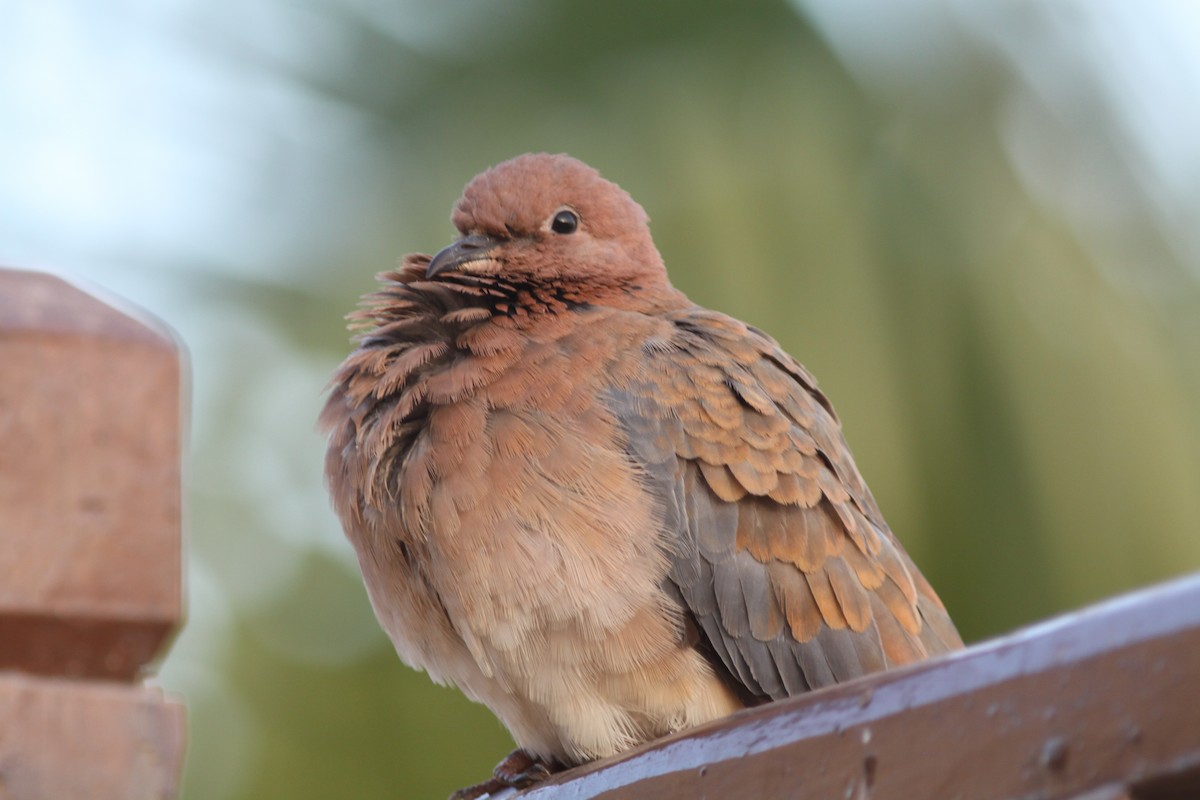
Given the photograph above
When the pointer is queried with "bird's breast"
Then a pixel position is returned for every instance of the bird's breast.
(491, 479)
(533, 557)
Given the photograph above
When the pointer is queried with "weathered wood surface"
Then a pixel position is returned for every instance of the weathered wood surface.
(90, 458)
(90, 441)
(64, 739)
(1101, 704)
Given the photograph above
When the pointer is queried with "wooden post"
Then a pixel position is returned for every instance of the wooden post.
(90, 454)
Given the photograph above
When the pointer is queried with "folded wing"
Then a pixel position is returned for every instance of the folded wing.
(781, 557)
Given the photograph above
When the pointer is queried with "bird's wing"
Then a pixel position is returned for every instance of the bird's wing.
(781, 555)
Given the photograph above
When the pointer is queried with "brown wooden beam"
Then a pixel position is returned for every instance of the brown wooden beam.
(1096, 705)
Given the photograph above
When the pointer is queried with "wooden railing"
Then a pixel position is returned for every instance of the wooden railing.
(90, 451)
(1102, 704)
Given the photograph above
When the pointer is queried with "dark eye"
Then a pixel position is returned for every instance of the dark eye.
(565, 221)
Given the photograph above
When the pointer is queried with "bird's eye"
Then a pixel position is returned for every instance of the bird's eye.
(565, 221)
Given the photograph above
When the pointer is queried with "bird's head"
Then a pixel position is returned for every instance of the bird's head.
(551, 220)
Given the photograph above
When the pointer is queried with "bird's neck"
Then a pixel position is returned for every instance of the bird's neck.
(527, 302)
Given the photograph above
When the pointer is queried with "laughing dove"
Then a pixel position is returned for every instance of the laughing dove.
(598, 508)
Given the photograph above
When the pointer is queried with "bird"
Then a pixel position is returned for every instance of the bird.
(603, 511)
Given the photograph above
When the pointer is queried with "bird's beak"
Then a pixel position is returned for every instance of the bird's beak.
(467, 249)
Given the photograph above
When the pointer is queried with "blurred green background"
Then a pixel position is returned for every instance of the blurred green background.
(975, 222)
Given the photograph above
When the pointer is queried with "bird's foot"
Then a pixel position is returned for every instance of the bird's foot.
(518, 770)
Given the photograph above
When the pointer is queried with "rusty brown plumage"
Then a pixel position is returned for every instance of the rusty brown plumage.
(603, 511)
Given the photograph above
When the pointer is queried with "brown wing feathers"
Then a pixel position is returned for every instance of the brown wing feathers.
(782, 559)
